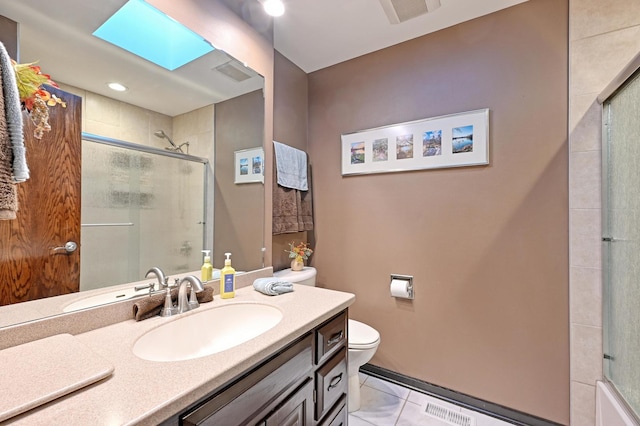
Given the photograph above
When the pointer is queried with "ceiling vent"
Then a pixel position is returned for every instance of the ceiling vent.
(402, 10)
(232, 71)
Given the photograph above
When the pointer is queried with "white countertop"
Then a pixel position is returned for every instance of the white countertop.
(148, 392)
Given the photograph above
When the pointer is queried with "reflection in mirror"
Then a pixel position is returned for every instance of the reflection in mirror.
(208, 109)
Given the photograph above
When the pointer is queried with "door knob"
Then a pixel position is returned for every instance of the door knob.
(69, 247)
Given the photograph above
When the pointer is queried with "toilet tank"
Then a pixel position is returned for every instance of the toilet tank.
(305, 277)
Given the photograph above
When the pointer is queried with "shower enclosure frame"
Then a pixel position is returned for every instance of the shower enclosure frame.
(208, 229)
(631, 74)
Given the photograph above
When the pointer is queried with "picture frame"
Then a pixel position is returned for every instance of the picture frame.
(455, 140)
(249, 165)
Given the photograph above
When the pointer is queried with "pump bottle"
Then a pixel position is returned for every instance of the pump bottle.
(207, 268)
(227, 279)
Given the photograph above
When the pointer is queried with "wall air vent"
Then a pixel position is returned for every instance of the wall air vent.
(232, 71)
(402, 10)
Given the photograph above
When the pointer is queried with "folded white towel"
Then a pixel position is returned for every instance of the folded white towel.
(291, 167)
(13, 113)
(272, 286)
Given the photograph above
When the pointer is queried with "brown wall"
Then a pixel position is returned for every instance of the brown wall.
(225, 30)
(290, 122)
(9, 36)
(238, 125)
(487, 245)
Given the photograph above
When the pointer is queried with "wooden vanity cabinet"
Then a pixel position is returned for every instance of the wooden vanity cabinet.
(304, 384)
(330, 375)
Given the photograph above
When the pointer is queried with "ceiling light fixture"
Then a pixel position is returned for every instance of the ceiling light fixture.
(273, 7)
(117, 87)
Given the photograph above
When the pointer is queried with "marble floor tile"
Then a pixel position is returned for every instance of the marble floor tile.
(362, 378)
(423, 399)
(414, 414)
(387, 387)
(384, 403)
(357, 421)
(484, 420)
(377, 407)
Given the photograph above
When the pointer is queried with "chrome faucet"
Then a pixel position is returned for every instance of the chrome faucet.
(162, 280)
(183, 302)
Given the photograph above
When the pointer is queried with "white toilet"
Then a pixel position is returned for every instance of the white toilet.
(363, 339)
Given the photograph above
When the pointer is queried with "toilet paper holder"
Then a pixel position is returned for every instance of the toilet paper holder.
(409, 281)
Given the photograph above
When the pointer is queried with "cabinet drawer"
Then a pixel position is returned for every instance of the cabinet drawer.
(257, 393)
(330, 337)
(331, 383)
(338, 415)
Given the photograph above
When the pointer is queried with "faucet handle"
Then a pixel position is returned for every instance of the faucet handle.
(193, 299)
(168, 308)
(150, 286)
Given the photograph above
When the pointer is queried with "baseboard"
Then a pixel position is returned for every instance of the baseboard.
(490, 409)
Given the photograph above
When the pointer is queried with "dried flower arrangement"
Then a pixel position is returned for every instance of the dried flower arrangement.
(35, 99)
(300, 252)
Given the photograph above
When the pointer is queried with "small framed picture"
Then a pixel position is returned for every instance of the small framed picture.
(249, 165)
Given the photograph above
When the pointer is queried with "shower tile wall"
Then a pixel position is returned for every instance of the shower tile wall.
(111, 118)
(197, 127)
(114, 119)
(604, 37)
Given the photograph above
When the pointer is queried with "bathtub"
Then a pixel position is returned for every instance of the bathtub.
(609, 410)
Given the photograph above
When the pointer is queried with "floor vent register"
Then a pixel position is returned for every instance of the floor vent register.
(445, 414)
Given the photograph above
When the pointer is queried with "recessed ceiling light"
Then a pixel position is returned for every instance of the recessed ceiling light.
(117, 87)
(273, 7)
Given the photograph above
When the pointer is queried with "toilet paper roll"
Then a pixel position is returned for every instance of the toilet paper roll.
(400, 288)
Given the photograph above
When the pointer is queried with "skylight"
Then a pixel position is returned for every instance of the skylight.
(147, 32)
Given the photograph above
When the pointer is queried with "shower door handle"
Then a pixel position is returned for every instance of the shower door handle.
(69, 247)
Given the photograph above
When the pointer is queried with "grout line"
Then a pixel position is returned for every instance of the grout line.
(363, 420)
(392, 394)
(401, 410)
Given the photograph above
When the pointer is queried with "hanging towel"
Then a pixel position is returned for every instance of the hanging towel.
(272, 286)
(292, 209)
(8, 195)
(13, 115)
(291, 166)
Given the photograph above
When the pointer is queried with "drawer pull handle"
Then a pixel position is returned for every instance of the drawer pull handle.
(334, 382)
(335, 338)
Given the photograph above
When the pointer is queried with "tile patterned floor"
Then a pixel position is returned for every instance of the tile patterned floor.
(386, 404)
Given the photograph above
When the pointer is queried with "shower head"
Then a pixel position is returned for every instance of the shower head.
(162, 135)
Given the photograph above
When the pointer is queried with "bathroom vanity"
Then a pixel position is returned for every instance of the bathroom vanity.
(297, 370)
(304, 384)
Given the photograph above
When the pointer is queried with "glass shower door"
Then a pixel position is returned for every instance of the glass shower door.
(621, 242)
(139, 210)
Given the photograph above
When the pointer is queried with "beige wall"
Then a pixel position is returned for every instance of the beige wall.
(290, 123)
(604, 37)
(488, 245)
(239, 125)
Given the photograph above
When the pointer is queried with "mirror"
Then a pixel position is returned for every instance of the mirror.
(58, 36)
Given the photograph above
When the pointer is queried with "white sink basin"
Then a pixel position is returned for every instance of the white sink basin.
(104, 298)
(206, 332)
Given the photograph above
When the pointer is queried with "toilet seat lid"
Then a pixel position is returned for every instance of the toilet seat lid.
(362, 336)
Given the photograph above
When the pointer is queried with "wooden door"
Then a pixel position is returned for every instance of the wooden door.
(49, 212)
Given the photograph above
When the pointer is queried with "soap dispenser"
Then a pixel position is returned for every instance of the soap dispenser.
(207, 268)
(227, 279)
